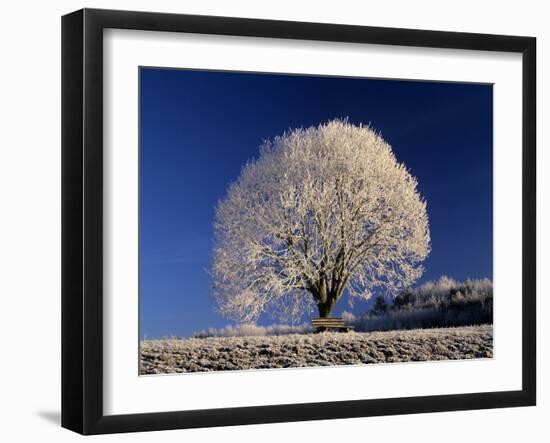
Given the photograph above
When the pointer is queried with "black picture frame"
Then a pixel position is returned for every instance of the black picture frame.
(82, 221)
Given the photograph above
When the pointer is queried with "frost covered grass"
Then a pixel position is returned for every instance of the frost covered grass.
(251, 330)
(324, 349)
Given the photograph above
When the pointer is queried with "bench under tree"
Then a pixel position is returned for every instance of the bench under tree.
(330, 324)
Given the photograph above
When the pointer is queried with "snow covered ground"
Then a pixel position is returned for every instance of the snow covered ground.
(324, 349)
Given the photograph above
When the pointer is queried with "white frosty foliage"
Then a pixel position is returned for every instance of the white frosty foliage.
(322, 210)
(252, 330)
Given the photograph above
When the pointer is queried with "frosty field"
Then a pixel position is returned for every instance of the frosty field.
(324, 349)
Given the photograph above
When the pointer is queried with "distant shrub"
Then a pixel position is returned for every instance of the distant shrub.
(380, 306)
(404, 299)
(252, 330)
(442, 303)
(348, 317)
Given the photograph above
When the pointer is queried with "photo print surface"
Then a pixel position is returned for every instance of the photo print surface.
(291, 221)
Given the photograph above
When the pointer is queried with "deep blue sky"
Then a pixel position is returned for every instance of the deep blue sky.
(197, 128)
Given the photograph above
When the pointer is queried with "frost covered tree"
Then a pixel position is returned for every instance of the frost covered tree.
(322, 210)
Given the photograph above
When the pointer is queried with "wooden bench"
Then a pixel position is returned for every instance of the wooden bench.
(330, 324)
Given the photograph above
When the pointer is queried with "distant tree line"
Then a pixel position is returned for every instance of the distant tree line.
(443, 303)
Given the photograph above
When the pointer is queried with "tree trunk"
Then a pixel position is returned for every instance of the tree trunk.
(326, 308)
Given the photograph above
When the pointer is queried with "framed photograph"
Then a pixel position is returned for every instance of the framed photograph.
(269, 221)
